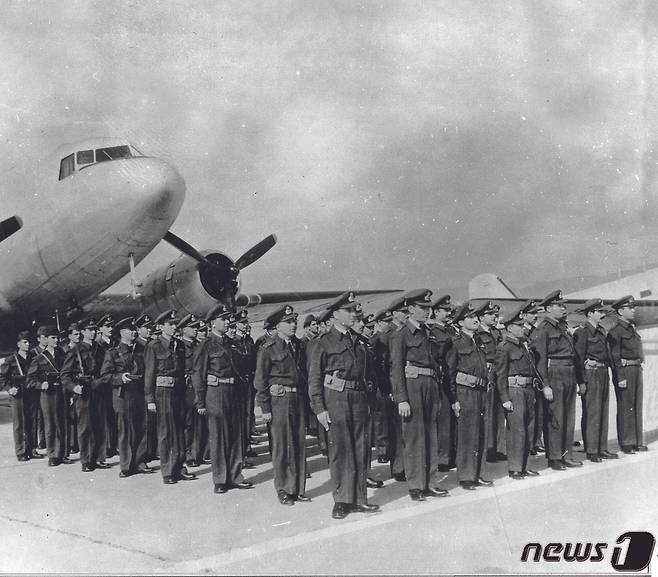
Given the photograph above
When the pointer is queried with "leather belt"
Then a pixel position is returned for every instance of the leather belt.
(560, 362)
(519, 381)
(280, 390)
(163, 381)
(593, 364)
(631, 363)
(215, 381)
(470, 381)
(412, 371)
(338, 384)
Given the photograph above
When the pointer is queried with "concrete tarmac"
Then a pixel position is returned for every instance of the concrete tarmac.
(62, 520)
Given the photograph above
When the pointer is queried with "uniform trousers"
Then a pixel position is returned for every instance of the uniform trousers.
(98, 422)
(170, 410)
(196, 428)
(540, 408)
(348, 444)
(594, 422)
(471, 448)
(560, 415)
(32, 410)
(22, 446)
(381, 408)
(520, 427)
(88, 427)
(225, 427)
(629, 407)
(151, 436)
(111, 436)
(495, 415)
(446, 430)
(131, 426)
(52, 407)
(396, 445)
(419, 432)
(288, 441)
(71, 424)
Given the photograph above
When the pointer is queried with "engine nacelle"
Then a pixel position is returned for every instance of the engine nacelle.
(191, 287)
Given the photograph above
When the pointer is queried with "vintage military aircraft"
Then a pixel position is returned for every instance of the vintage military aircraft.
(98, 207)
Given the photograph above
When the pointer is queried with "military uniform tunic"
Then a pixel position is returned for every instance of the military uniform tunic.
(150, 418)
(447, 422)
(337, 384)
(45, 367)
(81, 368)
(490, 338)
(467, 376)
(164, 384)
(217, 388)
(592, 348)
(411, 349)
(13, 373)
(627, 357)
(515, 374)
(559, 369)
(280, 385)
(128, 399)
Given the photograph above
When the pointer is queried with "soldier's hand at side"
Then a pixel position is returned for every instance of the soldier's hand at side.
(44, 386)
(324, 420)
(404, 409)
(582, 389)
(77, 390)
(125, 378)
(151, 407)
(203, 411)
(267, 417)
(622, 384)
(456, 408)
(13, 391)
(508, 406)
(548, 394)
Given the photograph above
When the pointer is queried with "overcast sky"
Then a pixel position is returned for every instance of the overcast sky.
(387, 144)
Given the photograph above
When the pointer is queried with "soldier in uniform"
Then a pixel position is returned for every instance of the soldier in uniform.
(216, 383)
(561, 373)
(144, 324)
(515, 378)
(44, 375)
(490, 337)
(590, 341)
(72, 337)
(37, 427)
(467, 376)
(447, 422)
(281, 393)
(13, 373)
(164, 388)
(414, 379)
(529, 314)
(337, 388)
(105, 343)
(627, 357)
(123, 368)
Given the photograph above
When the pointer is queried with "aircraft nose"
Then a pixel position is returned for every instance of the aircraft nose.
(158, 186)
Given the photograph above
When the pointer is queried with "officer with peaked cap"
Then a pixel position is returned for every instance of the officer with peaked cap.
(414, 378)
(44, 375)
(337, 388)
(515, 379)
(80, 376)
(590, 341)
(280, 384)
(490, 336)
(447, 422)
(105, 340)
(164, 386)
(123, 368)
(144, 324)
(627, 357)
(216, 382)
(68, 338)
(13, 379)
(467, 376)
(561, 373)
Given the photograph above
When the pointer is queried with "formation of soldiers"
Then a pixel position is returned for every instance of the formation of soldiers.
(429, 386)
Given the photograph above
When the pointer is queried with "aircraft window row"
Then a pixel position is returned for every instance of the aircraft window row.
(85, 158)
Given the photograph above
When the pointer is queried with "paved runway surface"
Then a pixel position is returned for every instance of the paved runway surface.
(61, 520)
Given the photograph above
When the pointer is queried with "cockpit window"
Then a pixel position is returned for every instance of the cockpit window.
(85, 157)
(112, 152)
(66, 167)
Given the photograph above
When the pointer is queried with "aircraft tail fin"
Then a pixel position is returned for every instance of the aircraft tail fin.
(489, 286)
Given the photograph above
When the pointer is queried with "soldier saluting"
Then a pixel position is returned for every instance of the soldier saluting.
(281, 394)
(337, 388)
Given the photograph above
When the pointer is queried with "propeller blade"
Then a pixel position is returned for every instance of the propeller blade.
(9, 226)
(186, 248)
(255, 252)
